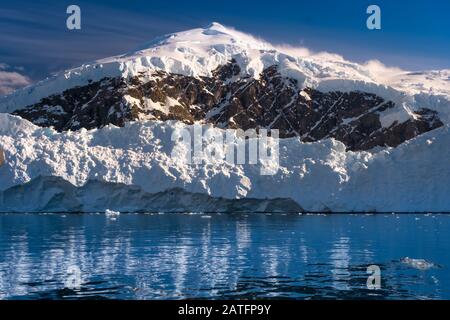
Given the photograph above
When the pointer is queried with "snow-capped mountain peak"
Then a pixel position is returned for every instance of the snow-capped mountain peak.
(206, 38)
(198, 52)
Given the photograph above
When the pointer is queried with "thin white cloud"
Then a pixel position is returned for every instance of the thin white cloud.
(303, 52)
(11, 80)
(293, 51)
(380, 72)
(377, 70)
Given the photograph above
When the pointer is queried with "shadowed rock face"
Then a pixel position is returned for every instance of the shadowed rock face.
(2, 157)
(229, 100)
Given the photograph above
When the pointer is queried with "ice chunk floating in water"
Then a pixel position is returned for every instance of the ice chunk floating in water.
(112, 214)
(420, 264)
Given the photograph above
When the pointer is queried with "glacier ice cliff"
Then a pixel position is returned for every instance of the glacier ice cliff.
(136, 161)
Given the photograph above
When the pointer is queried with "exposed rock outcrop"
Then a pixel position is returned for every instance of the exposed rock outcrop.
(229, 100)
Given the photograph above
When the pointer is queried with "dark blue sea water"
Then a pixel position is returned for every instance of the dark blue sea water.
(167, 256)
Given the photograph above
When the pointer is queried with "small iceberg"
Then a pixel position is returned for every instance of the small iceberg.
(420, 264)
(112, 214)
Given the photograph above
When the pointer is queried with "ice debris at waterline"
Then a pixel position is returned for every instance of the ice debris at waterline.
(420, 264)
(111, 213)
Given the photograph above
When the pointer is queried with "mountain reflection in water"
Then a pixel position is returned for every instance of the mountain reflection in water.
(175, 256)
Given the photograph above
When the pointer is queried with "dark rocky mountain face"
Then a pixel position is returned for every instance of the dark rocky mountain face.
(229, 100)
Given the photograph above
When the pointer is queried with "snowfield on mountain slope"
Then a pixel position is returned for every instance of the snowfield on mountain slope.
(318, 176)
(199, 51)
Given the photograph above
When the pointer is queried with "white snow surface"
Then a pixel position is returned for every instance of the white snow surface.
(198, 52)
(414, 176)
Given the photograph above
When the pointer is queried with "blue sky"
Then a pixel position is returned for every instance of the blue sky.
(35, 42)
